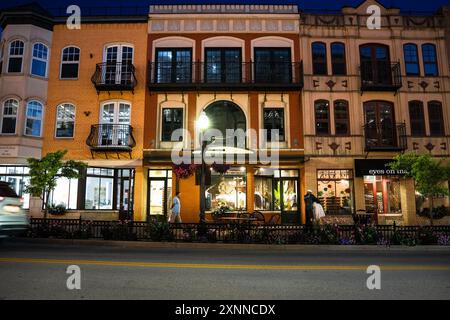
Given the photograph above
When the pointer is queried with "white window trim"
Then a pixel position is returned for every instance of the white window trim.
(33, 118)
(74, 120)
(2, 116)
(116, 110)
(39, 59)
(69, 62)
(15, 56)
(171, 144)
(119, 51)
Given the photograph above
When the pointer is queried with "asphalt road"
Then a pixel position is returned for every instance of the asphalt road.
(38, 271)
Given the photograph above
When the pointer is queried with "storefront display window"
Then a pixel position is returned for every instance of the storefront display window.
(227, 190)
(382, 194)
(276, 190)
(335, 191)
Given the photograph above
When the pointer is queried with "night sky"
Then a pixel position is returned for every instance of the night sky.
(405, 5)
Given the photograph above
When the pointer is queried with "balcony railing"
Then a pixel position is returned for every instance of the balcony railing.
(111, 137)
(380, 76)
(385, 137)
(114, 77)
(225, 76)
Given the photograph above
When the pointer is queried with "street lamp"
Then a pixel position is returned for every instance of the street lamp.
(202, 125)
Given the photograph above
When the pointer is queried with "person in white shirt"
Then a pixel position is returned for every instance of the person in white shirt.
(175, 216)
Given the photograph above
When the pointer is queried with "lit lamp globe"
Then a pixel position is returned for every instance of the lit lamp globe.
(203, 121)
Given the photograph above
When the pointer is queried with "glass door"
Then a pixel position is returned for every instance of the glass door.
(115, 120)
(379, 124)
(289, 201)
(159, 193)
(375, 64)
(118, 61)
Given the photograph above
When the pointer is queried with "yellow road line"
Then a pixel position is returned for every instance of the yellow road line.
(222, 266)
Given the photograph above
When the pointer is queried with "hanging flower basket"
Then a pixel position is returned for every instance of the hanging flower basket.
(220, 168)
(184, 171)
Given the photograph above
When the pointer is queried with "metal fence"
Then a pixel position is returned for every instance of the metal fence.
(235, 232)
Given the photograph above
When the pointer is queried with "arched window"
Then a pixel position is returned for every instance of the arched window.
(39, 60)
(338, 62)
(411, 59)
(65, 120)
(319, 57)
(322, 116)
(225, 115)
(341, 117)
(70, 61)
(436, 118)
(33, 121)
(16, 49)
(9, 116)
(430, 60)
(416, 118)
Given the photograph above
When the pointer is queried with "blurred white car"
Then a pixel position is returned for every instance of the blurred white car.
(13, 219)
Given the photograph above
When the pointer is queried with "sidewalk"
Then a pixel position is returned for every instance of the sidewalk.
(190, 245)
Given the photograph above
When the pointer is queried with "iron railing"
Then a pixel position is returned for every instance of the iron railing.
(218, 232)
(115, 76)
(111, 137)
(385, 137)
(225, 76)
(380, 76)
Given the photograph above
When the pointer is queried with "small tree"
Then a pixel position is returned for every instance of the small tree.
(44, 173)
(429, 174)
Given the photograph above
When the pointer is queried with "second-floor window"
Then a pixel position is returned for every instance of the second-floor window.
(338, 62)
(411, 59)
(9, 116)
(319, 58)
(322, 117)
(173, 65)
(33, 121)
(341, 117)
(273, 65)
(223, 65)
(70, 61)
(416, 118)
(274, 120)
(436, 118)
(16, 49)
(65, 120)
(39, 60)
(430, 60)
(172, 119)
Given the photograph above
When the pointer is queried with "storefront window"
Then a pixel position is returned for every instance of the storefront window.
(382, 194)
(227, 190)
(276, 190)
(65, 193)
(99, 189)
(335, 191)
(18, 178)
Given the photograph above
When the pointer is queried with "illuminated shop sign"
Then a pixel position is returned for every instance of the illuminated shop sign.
(375, 167)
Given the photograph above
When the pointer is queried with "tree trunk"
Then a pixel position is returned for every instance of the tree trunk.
(431, 210)
(47, 198)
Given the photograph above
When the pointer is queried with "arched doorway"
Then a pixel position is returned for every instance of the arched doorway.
(225, 115)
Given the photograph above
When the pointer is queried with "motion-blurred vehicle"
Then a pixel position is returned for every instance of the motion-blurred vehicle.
(13, 218)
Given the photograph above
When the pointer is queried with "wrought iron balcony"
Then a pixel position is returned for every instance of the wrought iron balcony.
(114, 77)
(380, 76)
(225, 76)
(111, 137)
(385, 137)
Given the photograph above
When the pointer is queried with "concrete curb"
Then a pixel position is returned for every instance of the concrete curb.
(233, 246)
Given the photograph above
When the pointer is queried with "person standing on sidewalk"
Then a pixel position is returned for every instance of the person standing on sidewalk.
(175, 216)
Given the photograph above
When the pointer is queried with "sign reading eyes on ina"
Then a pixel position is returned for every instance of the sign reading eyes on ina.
(375, 167)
